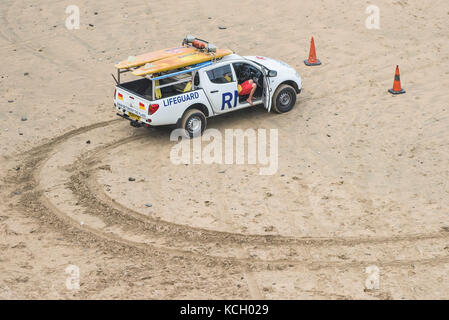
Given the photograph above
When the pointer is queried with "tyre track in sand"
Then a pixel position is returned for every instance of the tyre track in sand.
(81, 198)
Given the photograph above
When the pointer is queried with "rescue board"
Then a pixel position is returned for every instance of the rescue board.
(148, 57)
(179, 61)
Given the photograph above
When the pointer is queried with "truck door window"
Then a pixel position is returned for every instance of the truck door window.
(245, 71)
(221, 74)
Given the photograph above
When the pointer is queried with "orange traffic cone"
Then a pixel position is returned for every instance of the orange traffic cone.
(397, 83)
(312, 61)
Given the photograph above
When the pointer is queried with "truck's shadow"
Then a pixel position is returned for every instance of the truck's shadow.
(221, 122)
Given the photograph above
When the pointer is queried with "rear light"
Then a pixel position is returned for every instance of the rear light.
(115, 93)
(153, 108)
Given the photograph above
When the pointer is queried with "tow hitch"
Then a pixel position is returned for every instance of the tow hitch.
(133, 123)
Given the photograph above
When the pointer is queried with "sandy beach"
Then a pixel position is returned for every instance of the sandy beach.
(362, 178)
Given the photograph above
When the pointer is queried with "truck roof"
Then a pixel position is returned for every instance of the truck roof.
(231, 57)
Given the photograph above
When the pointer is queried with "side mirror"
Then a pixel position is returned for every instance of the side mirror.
(272, 73)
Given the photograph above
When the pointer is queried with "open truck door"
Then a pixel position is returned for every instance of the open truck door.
(266, 98)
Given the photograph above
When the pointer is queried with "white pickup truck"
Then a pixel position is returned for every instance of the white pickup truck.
(188, 96)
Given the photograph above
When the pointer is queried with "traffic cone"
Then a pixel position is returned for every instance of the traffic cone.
(312, 61)
(397, 83)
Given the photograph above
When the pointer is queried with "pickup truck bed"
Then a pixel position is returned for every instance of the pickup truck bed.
(142, 87)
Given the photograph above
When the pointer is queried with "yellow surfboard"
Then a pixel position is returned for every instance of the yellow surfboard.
(178, 61)
(148, 57)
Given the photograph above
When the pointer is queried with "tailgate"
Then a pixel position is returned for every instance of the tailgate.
(131, 104)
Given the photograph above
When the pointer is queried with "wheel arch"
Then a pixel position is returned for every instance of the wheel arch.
(200, 106)
(292, 84)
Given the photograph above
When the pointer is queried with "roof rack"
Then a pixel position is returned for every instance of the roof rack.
(190, 69)
(189, 41)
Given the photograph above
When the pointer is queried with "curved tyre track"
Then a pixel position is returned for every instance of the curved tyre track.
(66, 185)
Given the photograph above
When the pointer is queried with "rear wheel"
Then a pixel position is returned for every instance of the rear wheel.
(193, 122)
(284, 98)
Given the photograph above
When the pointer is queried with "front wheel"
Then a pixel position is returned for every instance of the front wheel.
(193, 122)
(284, 98)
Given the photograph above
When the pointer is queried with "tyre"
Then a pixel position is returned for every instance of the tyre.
(284, 98)
(193, 122)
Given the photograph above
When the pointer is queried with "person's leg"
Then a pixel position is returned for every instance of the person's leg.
(250, 98)
(246, 88)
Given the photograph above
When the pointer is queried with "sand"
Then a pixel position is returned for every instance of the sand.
(362, 178)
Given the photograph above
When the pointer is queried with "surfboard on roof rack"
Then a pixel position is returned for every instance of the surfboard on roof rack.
(191, 52)
(140, 60)
(180, 61)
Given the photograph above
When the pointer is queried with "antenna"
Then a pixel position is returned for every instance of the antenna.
(114, 79)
